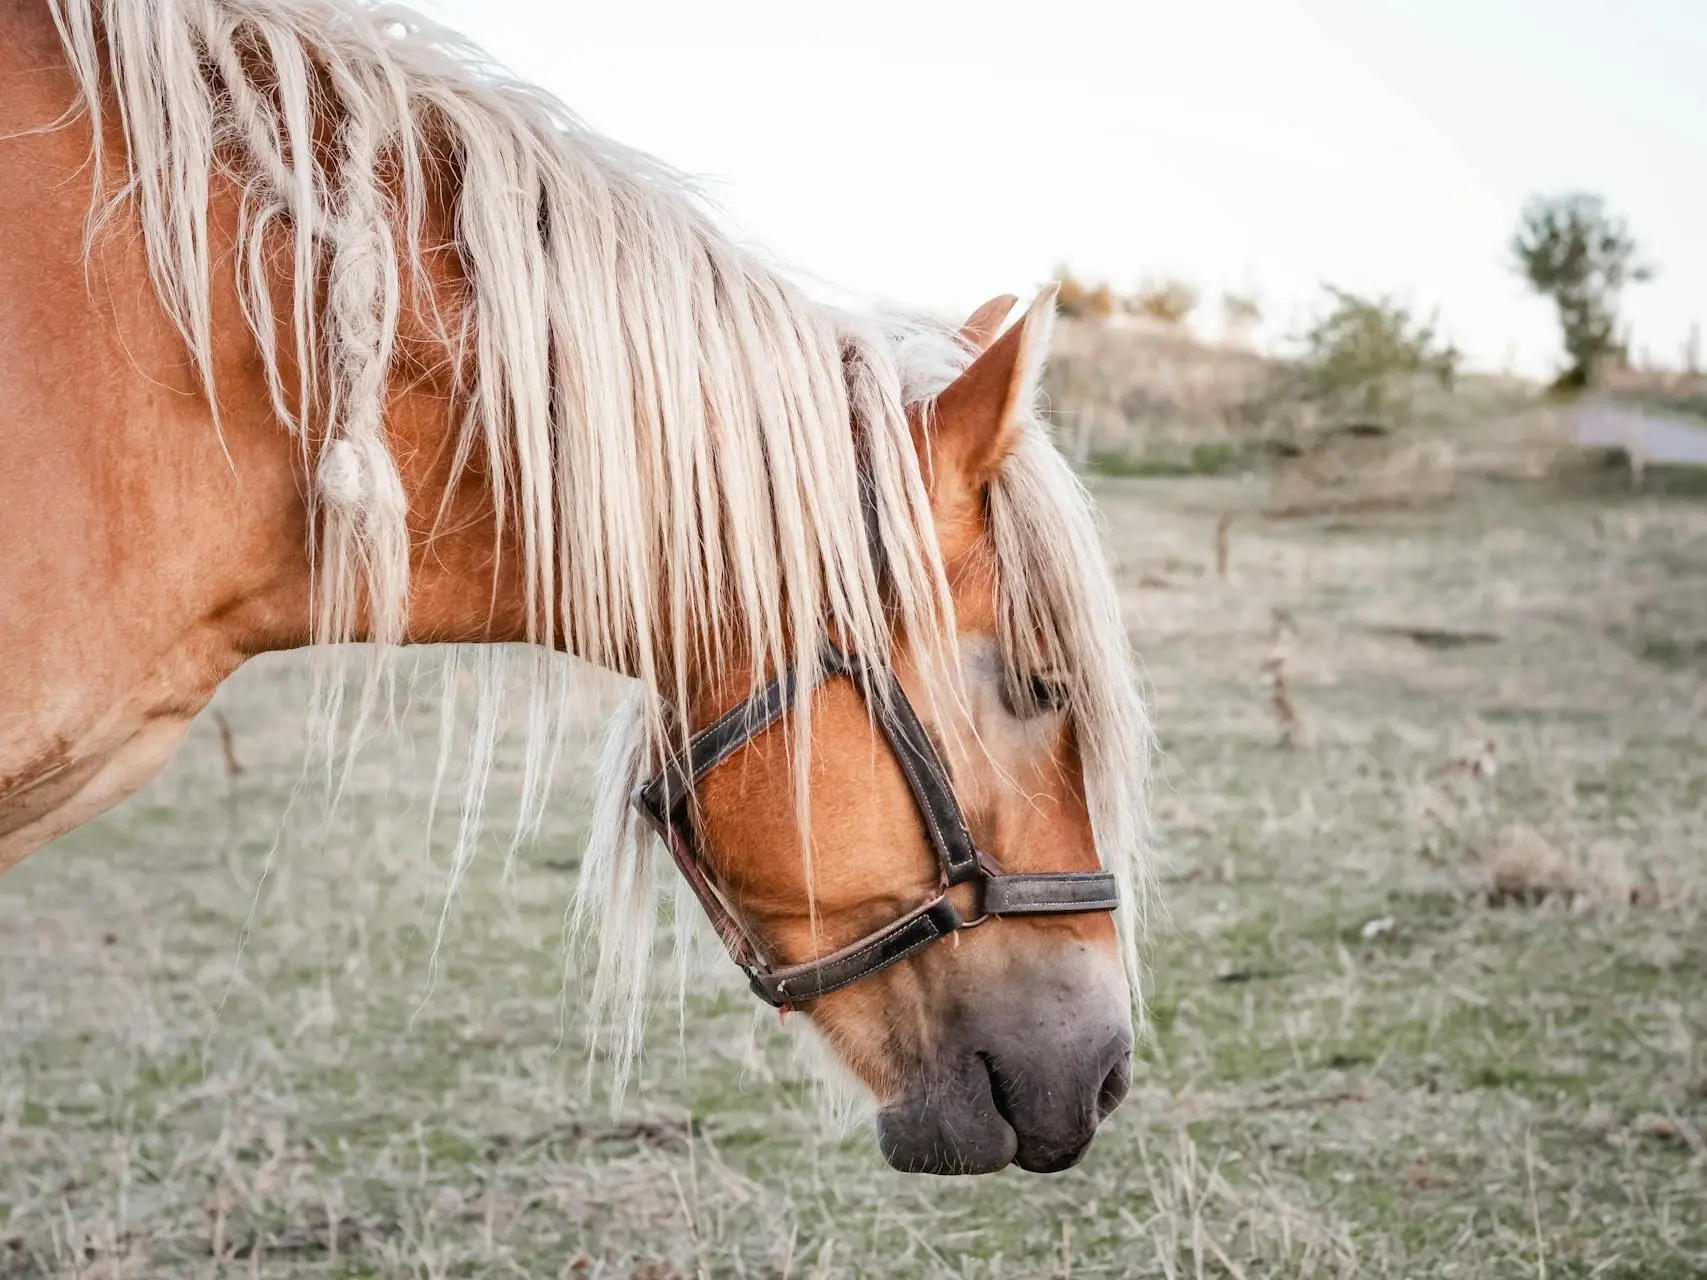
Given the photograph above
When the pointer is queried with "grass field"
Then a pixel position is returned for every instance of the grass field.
(1413, 1018)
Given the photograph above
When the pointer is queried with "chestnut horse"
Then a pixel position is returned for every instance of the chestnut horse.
(316, 328)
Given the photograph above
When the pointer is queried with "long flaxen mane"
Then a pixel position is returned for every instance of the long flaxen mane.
(674, 430)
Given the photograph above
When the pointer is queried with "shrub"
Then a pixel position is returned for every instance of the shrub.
(1169, 302)
(1364, 355)
(1573, 252)
(1082, 301)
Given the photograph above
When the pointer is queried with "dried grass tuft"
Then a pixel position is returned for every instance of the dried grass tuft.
(1523, 867)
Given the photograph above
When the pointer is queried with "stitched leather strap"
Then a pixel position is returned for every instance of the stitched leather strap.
(1039, 893)
(1050, 892)
(796, 983)
(667, 792)
(927, 777)
(733, 934)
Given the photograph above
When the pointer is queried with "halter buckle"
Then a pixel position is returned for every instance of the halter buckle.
(978, 880)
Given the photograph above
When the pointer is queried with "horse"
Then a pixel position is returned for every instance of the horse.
(318, 329)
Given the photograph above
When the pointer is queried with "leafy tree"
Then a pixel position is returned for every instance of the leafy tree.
(1572, 251)
(1364, 354)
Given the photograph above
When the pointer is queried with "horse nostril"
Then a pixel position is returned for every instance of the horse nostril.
(1114, 1086)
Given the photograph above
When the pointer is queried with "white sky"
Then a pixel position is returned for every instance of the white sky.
(937, 152)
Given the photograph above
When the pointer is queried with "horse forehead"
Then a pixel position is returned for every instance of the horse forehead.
(973, 580)
(981, 658)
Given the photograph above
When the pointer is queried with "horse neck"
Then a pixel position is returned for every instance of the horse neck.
(466, 579)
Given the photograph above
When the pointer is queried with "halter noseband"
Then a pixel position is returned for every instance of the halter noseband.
(665, 797)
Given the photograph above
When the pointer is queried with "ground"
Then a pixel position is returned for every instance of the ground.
(1429, 985)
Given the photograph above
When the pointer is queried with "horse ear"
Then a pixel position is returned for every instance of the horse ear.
(984, 323)
(978, 414)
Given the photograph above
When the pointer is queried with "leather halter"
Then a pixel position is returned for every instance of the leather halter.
(664, 800)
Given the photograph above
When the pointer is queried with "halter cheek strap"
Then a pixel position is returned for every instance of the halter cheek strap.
(664, 801)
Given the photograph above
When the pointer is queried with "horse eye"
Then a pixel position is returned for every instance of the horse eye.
(1049, 692)
(1037, 695)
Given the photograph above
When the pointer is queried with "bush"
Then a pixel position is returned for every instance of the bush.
(1364, 356)
(1211, 458)
(1169, 302)
(1080, 300)
(1572, 251)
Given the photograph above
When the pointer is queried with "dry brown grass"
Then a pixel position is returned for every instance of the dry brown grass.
(1352, 475)
(1415, 1015)
(1121, 392)
(1145, 399)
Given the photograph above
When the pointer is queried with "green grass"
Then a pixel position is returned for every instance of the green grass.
(1213, 458)
(1365, 1060)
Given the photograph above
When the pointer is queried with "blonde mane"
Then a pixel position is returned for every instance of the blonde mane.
(676, 432)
